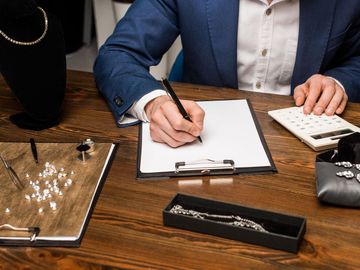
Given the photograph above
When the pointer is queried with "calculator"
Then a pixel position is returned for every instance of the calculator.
(320, 132)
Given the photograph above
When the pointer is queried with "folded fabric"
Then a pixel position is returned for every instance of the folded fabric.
(338, 173)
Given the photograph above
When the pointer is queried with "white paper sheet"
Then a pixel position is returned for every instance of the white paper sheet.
(229, 133)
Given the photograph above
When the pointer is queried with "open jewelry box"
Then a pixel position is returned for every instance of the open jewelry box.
(235, 222)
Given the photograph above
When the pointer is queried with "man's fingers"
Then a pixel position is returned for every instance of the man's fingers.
(167, 125)
(321, 94)
(335, 101)
(171, 122)
(326, 96)
(340, 109)
(315, 88)
(196, 113)
(300, 94)
(160, 136)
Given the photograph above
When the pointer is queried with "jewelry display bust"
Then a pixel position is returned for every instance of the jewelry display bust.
(32, 62)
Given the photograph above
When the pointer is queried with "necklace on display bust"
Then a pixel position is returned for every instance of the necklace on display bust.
(29, 43)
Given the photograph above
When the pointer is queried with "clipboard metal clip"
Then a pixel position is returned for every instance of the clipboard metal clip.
(34, 231)
(205, 167)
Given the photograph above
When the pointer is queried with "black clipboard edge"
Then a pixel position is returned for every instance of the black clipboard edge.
(66, 243)
(262, 138)
(244, 170)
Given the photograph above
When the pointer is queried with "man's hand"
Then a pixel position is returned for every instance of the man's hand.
(320, 94)
(168, 126)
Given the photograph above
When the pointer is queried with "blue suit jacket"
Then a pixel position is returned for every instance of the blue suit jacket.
(329, 43)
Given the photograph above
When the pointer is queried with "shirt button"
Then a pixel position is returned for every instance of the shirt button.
(264, 52)
(268, 11)
(118, 101)
(258, 85)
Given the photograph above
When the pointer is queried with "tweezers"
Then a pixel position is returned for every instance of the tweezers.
(12, 174)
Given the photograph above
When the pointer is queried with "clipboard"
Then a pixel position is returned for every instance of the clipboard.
(233, 143)
(21, 221)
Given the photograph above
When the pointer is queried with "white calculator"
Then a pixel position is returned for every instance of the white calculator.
(320, 132)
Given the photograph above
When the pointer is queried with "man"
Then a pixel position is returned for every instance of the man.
(306, 48)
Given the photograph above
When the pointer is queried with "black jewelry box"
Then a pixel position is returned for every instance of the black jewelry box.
(283, 232)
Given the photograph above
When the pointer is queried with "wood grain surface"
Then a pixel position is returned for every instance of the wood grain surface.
(60, 178)
(126, 229)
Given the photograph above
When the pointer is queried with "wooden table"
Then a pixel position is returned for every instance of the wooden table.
(126, 231)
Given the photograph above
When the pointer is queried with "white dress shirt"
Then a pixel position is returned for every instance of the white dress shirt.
(266, 45)
(266, 49)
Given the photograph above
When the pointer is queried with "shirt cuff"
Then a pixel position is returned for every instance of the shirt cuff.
(127, 120)
(137, 110)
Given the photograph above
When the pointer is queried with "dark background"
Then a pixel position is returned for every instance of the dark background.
(71, 15)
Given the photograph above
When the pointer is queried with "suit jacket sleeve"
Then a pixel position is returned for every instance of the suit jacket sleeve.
(345, 66)
(139, 41)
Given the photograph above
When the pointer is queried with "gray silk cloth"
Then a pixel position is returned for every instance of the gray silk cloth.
(334, 189)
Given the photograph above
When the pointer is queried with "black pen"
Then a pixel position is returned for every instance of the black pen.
(33, 150)
(174, 97)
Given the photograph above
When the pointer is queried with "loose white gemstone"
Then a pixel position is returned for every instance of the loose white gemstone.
(27, 197)
(7, 210)
(27, 175)
(53, 205)
(41, 210)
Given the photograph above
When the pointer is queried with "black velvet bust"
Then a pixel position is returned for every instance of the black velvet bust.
(35, 73)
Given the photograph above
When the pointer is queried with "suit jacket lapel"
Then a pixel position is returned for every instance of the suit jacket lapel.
(316, 18)
(223, 22)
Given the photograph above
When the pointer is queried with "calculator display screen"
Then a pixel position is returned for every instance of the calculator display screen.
(331, 134)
